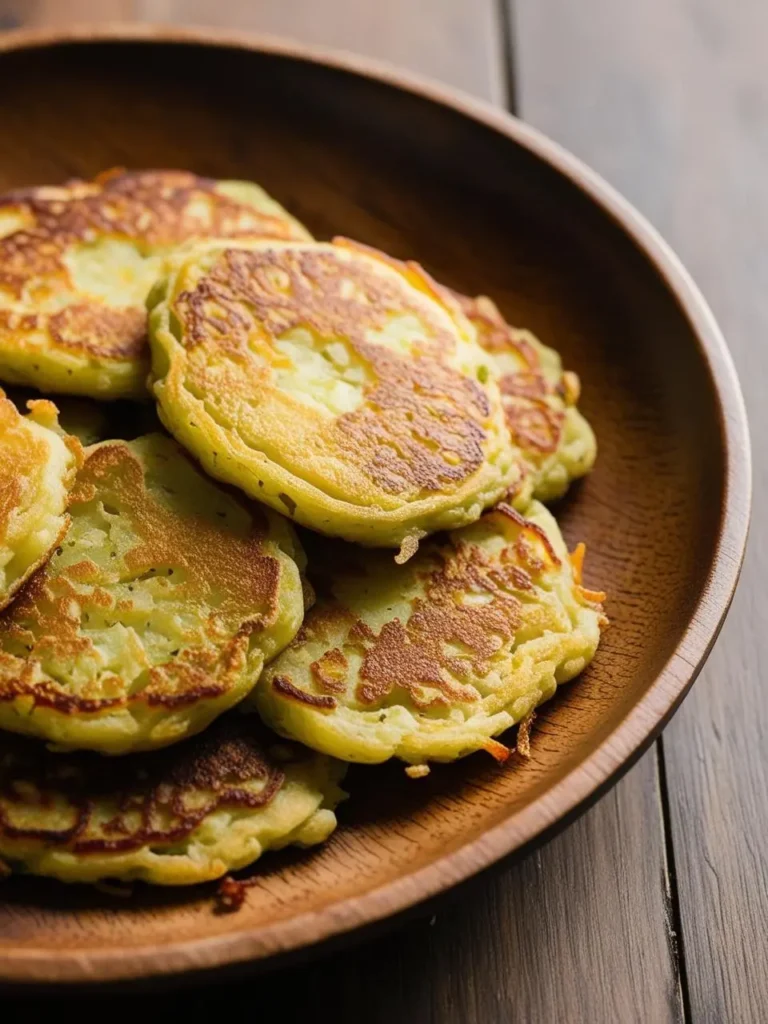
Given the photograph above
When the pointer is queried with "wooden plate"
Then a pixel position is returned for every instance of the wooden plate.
(486, 204)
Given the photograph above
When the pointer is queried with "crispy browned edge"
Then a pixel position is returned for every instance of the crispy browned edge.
(646, 719)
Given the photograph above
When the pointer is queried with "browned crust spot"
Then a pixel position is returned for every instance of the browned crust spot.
(534, 425)
(330, 670)
(526, 526)
(284, 686)
(152, 799)
(422, 425)
(412, 655)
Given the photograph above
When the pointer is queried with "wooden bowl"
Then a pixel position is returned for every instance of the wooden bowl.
(487, 204)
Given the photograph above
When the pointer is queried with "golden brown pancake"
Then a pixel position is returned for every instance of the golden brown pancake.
(429, 661)
(333, 383)
(77, 261)
(172, 817)
(156, 612)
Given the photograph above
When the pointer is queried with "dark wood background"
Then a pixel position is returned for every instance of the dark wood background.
(653, 907)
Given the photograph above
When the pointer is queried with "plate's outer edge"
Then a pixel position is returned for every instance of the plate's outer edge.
(637, 730)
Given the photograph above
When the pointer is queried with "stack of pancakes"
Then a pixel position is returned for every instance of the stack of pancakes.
(181, 685)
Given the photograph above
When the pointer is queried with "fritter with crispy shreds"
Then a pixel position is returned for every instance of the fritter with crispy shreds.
(157, 611)
(77, 261)
(431, 660)
(38, 463)
(187, 814)
(333, 383)
(556, 442)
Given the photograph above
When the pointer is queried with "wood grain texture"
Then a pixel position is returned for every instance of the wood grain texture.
(18, 13)
(528, 919)
(672, 106)
(576, 932)
(456, 41)
(552, 939)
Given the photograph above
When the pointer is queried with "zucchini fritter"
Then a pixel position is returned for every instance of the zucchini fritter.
(430, 660)
(556, 442)
(157, 611)
(333, 383)
(187, 814)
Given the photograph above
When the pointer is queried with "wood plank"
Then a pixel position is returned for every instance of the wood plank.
(669, 100)
(578, 932)
(457, 42)
(14, 13)
(575, 933)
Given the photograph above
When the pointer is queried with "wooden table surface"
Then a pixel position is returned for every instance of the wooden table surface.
(652, 907)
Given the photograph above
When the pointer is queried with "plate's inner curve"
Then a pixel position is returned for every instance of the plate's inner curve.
(364, 160)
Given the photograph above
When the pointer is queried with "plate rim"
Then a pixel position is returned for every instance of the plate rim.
(533, 823)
